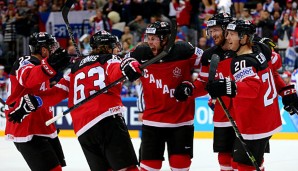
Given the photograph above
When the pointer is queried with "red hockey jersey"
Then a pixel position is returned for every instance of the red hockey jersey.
(159, 83)
(88, 76)
(27, 77)
(223, 70)
(256, 107)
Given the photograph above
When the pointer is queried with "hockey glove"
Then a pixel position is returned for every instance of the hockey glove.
(130, 68)
(56, 62)
(211, 103)
(289, 99)
(24, 107)
(221, 87)
(184, 90)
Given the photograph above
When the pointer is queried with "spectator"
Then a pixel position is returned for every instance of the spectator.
(265, 25)
(138, 25)
(111, 5)
(238, 7)
(99, 22)
(183, 17)
(3, 82)
(127, 35)
(268, 5)
(245, 14)
(117, 26)
(203, 43)
(257, 12)
(284, 31)
(286, 76)
(173, 7)
(288, 8)
(85, 44)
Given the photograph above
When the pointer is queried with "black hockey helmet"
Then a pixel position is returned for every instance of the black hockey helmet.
(42, 39)
(161, 29)
(220, 19)
(243, 27)
(104, 38)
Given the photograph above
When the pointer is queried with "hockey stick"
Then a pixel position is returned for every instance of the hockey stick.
(65, 11)
(167, 49)
(212, 71)
(2, 101)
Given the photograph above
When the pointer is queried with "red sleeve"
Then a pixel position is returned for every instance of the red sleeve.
(276, 61)
(113, 70)
(279, 82)
(30, 75)
(204, 74)
(56, 94)
(199, 89)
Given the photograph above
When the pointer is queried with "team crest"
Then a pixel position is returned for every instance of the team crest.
(177, 72)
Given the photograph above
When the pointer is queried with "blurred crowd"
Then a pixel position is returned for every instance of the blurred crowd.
(275, 19)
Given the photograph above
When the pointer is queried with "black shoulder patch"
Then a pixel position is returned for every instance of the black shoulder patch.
(180, 51)
(263, 48)
(213, 50)
(23, 60)
(142, 53)
(258, 61)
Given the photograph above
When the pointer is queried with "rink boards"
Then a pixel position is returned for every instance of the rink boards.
(203, 120)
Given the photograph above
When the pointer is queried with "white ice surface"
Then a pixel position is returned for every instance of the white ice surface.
(283, 156)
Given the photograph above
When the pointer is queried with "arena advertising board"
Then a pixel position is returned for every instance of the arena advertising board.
(202, 122)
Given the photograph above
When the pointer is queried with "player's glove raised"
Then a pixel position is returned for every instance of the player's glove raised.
(130, 68)
(222, 87)
(24, 107)
(289, 99)
(55, 62)
(184, 90)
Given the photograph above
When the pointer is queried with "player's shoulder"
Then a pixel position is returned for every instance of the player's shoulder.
(141, 53)
(261, 47)
(206, 57)
(91, 59)
(25, 61)
(256, 60)
(182, 50)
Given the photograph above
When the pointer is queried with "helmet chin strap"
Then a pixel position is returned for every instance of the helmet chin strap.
(240, 45)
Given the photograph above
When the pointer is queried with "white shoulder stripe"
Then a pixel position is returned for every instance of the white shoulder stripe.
(63, 87)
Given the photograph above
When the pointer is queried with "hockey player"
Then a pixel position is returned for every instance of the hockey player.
(38, 144)
(167, 121)
(99, 123)
(287, 92)
(256, 113)
(223, 135)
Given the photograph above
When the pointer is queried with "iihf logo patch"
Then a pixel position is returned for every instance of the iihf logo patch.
(177, 72)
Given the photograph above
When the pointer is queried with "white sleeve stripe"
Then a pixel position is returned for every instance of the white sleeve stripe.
(20, 77)
(204, 74)
(63, 87)
(140, 100)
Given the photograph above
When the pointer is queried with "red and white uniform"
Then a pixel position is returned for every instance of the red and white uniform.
(159, 83)
(27, 77)
(223, 70)
(87, 77)
(255, 105)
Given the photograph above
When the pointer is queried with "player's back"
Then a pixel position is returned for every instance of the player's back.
(88, 76)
